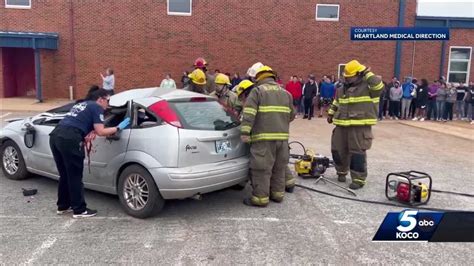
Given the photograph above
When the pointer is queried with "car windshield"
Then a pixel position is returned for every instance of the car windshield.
(204, 115)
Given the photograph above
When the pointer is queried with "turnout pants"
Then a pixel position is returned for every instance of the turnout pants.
(290, 180)
(68, 152)
(268, 164)
(348, 147)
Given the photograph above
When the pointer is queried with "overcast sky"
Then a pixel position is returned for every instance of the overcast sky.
(446, 8)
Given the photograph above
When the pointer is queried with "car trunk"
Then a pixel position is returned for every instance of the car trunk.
(207, 133)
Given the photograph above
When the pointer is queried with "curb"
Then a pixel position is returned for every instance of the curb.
(462, 136)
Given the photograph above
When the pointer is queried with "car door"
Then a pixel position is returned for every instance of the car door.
(106, 154)
(41, 158)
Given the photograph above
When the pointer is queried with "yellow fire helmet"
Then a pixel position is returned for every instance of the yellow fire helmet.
(243, 85)
(222, 79)
(264, 72)
(353, 68)
(198, 77)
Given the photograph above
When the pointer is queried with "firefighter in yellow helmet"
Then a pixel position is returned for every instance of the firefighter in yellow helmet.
(243, 89)
(266, 117)
(225, 96)
(198, 81)
(354, 112)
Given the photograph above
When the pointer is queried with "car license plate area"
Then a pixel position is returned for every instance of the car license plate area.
(223, 146)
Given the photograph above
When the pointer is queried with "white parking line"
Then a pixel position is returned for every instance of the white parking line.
(266, 219)
(4, 115)
(48, 243)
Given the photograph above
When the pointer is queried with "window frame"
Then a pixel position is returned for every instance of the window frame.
(468, 70)
(179, 13)
(339, 73)
(328, 19)
(17, 6)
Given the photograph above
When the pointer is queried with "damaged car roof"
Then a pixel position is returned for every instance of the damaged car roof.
(140, 95)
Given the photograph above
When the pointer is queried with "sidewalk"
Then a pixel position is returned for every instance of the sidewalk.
(29, 104)
(460, 129)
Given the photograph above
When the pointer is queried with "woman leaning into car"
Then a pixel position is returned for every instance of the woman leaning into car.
(67, 145)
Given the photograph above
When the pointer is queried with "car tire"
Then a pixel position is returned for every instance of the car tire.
(11, 155)
(134, 181)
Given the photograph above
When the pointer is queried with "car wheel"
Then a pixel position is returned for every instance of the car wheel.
(13, 164)
(138, 193)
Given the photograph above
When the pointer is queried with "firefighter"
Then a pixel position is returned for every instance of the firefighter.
(201, 63)
(198, 81)
(225, 96)
(266, 118)
(243, 90)
(354, 112)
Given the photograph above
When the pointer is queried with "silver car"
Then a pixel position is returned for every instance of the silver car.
(180, 144)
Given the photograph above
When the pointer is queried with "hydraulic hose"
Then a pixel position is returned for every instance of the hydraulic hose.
(387, 203)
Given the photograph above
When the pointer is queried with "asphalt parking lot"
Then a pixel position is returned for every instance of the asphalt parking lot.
(306, 228)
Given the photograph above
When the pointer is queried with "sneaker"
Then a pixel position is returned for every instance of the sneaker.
(422, 119)
(309, 118)
(305, 116)
(68, 210)
(87, 213)
(472, 123)
(396, 118)
(415, 119)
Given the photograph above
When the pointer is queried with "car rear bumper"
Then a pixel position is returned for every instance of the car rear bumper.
(180, 183)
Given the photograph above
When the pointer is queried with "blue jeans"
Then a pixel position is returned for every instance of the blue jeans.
(382, 108)
(440, 108)
(431, 109)
(460, 109)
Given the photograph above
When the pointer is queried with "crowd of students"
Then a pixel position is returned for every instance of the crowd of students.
(419, 101)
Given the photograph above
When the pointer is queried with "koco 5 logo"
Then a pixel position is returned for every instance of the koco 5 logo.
(407, 221)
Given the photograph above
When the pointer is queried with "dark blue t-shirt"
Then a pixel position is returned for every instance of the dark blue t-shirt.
(83, 116)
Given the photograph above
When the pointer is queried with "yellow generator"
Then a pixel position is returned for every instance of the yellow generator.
(309, 164)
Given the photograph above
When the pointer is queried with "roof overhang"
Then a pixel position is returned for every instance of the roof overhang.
(450, 22)
(34, 40)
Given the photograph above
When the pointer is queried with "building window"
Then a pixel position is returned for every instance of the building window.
(327, 12)
(459, 64)
(340, 70)
(22, 4)
(180, 7)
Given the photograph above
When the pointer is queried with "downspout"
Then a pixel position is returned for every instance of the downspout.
(398, 49)
(39, 89)
(413, 59)
(443, 52)
(72, 54)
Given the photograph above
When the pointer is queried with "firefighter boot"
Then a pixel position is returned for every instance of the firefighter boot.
(355, 186)
(256, 201)
(341, 178)
(277, 196)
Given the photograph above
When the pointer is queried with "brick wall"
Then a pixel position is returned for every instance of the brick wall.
(142, 43)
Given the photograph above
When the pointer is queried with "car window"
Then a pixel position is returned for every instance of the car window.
(144, 118)
(204, 115)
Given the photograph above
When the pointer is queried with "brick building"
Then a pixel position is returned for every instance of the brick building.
(50, 45)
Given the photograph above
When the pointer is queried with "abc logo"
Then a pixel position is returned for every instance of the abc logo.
(425, 223)
(407, 222)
